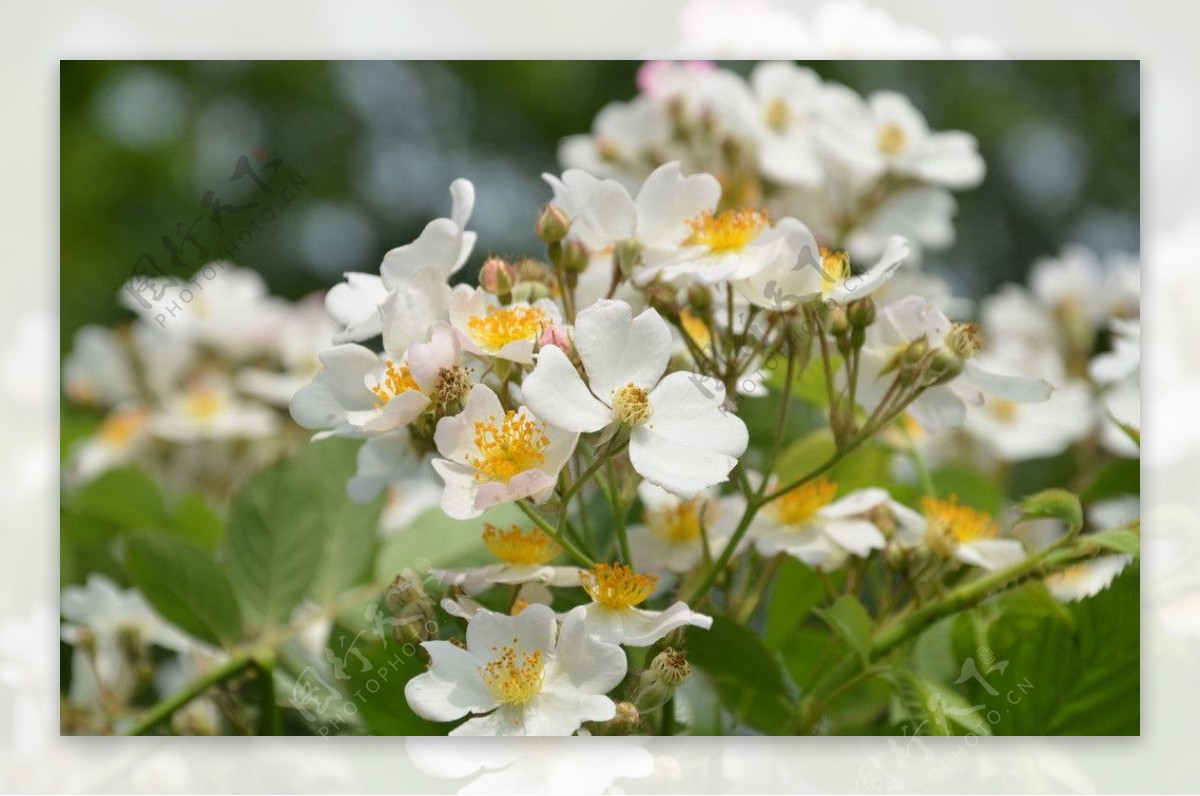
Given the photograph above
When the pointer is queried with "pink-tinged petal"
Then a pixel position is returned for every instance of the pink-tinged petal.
(451, 688)
(667, 200)
(1009, 388)
(530, 483)
(557, 395)
(618, 349)
(426, 360)
(991, 553)
(855, 536)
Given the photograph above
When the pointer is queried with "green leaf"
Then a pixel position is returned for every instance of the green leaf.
(1123, 540)
(972, 487)
(936, 709)
(274, 543)
(749, 678)
(127, 498)
(850, 620)
(1056, 504)
(349, 530)
(435, 540)
(1059, 682)
(870, 465)
(1117, 477)
(185, 586)
(796, 591)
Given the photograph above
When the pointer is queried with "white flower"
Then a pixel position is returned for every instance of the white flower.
(680, 438)
(309, 332)
(944, 405)
(1083, 292)
(359, 393)
(525, 557)
(522, 673)
(119, 441)
(622, 134)
(808, 524)
(210, 410)
(492, 456)
(487, 328)
(952, 530)
(790, 99)
(670, 538)
(887, 135)
(111, 617)
(98, 371)
(613, 616)
(604, 215)
(804, 270)
(411, 288)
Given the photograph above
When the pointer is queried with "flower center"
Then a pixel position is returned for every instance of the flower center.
(678, 523)
(118, 428)
(835, 268)
(964, 339)
(504, 325)
(202, 405)
(728, 231)
(616, 585)
(631, 405)
(892, 139)
(513, 445)
(799, 505)
(1002, 410)
(777, 114)
(512, 677)
(515, 546)
(396, 379)
(953, 523)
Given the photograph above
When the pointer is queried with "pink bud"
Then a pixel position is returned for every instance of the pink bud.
(557, 336)
(654, 77)
(497, 276)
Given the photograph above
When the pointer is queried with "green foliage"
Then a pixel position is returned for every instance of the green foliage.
(374, 682)
(850, 620)
(184, 584)
(749, 678)
(796, 591)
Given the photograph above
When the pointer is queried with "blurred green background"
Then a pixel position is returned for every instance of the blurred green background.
(379, 142)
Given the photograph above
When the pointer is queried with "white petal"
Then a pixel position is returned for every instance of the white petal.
(590, 665)
(533, 629)
(426, 360)
(859, 285)
(1087, 579)
(1009, 388)
(455, 435)
(462, 197)
(938, 408)
(667, 200)
(437, 248)
(530, 483)
(354, 304)
(641, 628)
(688, 443)
(991, 553)
(458, 498)
(855, 536)
(414, 305)
(858, 502)
(557, 395)
(605, 210)
(618, 349)
(451, 688)
(504, 720)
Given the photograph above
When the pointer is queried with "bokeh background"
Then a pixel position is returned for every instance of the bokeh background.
(378, 143)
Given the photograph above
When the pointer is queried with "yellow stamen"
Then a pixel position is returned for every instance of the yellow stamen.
(517, 546)
(514, 678)
(892, 139)
(508, 447)
(203, 404)
(678, 523)
(504, 325)
(696, 329)
(963, 523)
(835, 267)
(801, 504)
(728, 231)
(631, 405)
(777, 114)
(119, 428)
(396, 380)
(616, 585)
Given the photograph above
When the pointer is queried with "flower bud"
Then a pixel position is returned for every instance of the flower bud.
(625, 722)
(671, 667)
(574, 258)
(555, 335)
(861, 312)
(662, 298)
(497, 276)
(627, 254)
(839, 322)
(552, 224)
(652, 693)
(1056, 503)
(530, 270)
(943, 366)
(700, 298)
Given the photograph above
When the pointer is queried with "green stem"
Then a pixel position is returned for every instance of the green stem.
(269, 720)
(562, 540)
(168, 707)
(618, 515)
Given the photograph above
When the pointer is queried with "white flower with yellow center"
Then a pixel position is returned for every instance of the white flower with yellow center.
(410, 293)
(493, 456)
(680, 436)
(487, 328)
(359, 393)
(808, 524)
(613, 616)
(670, 537)
(803, 270)
(519, 675)
(525, 556)
(118, 442)
(210, 410)
(951, 530)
